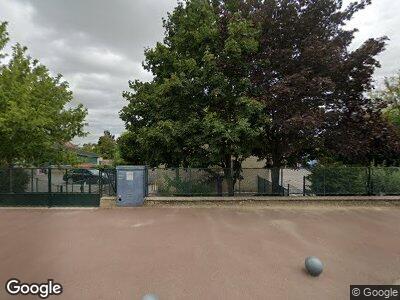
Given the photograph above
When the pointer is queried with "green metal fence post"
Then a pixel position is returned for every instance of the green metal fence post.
(67, 179)
(31, 180)
(324, 181)
(371, 181)
(304, 185)
(101, 183)
(49, 187)
(240, 181)
(10, 188)
(190, 182)
(49, 180)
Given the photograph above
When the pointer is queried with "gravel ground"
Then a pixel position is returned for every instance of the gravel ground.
(232, 252)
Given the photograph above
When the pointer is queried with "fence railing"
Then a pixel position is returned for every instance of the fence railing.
(208, 182)
(354, 181)
(57, 181)
(223, 182)
(317, 181)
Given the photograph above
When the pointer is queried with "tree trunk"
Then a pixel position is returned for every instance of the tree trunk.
(228, 175)
(275, 173)
(219, 181)
(275, 176)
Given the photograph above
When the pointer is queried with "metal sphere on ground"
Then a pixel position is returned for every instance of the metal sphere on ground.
(314, 266)
(150, 297)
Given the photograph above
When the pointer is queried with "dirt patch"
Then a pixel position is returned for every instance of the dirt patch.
(244, 252)
(263, 203)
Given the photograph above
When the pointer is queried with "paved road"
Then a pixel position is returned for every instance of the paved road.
(200, 253)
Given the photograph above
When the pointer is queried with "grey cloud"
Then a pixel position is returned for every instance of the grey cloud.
(378, 20)
(98, 45)
(127, 26)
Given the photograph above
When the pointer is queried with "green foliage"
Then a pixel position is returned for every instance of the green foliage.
(274, 79)
(338, 180)
(36, 117)
(69, 157)
(18, 181)
(3, 37)
(390, 94)
(393, 115)
(195, 111)
(118, 160)
(90, 147)
(107, 145)
(128, 148)
(312, 84)
(385, 180)
(179, 186)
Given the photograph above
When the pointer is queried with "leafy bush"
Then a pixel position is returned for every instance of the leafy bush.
(338, 180)
(178, 186)
(19, 180)
(385, 180)
(347, 180)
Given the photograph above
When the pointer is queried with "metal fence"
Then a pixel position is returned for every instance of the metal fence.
(55, 186)
(84, 187)
(353, 181)
(317, 181)
(223, 182)
(108, 186)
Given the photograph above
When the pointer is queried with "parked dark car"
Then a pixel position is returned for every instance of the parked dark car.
(82, 176)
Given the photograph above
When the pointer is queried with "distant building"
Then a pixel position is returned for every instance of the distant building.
(87, 159)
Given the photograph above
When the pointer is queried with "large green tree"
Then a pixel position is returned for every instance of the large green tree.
(36, 117)
(196, 111)
(311, 83)
(390, 93)
(273, 78)
(90, 147)
(107, 145)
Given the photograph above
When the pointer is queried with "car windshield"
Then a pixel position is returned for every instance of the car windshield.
(94, 172)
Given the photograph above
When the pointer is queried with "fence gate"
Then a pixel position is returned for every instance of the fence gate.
(131, 185)
(51, 187)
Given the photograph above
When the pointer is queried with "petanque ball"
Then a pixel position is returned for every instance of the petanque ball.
(150, 297)
(313, 266)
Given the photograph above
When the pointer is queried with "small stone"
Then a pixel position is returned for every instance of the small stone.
(150, 297)
(313, 266)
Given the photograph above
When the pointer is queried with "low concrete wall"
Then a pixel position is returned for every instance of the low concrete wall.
(108, 202)
(269, 201)
(50, 200)
(274, 198)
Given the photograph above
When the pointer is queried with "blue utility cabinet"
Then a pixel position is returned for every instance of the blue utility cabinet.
(131, 185)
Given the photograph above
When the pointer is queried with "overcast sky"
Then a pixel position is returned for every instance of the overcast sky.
(98, 45)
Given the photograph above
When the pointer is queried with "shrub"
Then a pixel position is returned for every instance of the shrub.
(348, 180)
(338, 180)
(385, 180)
(178, 186)
(19, 180)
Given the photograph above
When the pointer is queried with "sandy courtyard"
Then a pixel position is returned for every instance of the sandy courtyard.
(200, 253)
